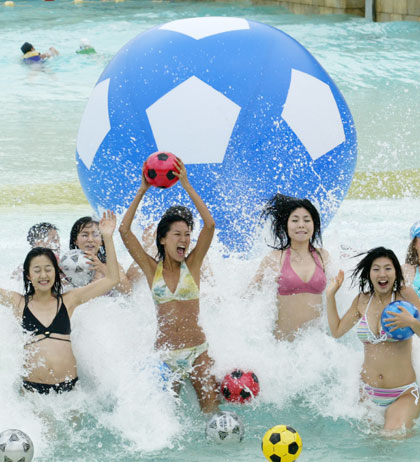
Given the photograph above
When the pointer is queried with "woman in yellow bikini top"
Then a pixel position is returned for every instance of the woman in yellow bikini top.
(174, 281)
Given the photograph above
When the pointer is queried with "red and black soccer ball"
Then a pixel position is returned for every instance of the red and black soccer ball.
(159, 169)
(240, 386)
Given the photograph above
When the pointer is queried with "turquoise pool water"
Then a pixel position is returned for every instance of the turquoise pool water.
(119, 413)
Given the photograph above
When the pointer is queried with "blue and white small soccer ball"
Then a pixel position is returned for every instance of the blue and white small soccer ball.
(76, 268)
(225, 427)
(15, 446)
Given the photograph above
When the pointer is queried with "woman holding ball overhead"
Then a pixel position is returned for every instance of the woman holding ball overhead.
(174, 280)
(296, 265)
(387, 377)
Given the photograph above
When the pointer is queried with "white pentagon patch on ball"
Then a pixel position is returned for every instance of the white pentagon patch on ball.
(312, 113)
(95, 123)
(193, 107)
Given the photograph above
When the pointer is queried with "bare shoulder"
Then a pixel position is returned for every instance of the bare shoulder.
(324, 254)
(409, 294)
(360, 303)
(272, 260)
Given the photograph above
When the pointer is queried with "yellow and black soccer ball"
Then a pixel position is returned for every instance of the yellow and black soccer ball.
(281, 444)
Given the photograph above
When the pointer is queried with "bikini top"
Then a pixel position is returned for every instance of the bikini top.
(365, 333)
(416, 282)
(289, 283)
(186, 289)
(59, 325)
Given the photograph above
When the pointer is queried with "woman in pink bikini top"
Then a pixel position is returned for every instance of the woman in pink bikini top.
(296, 262)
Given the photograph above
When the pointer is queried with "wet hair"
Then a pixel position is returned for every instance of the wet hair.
(26, 47)
(27, 284)
(362, 270)
(77, 228)
(279, 208)
(172, 215)
(39, 231)
(412, 257)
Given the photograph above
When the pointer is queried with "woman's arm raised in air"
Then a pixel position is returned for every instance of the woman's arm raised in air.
(75, 297)
(136, 250)
(196, 257)
(339, 327)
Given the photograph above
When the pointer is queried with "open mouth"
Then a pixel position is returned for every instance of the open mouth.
(180, 250)
(382, 283)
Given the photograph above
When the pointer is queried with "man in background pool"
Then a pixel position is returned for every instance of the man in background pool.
(41, 235)
(32, 55)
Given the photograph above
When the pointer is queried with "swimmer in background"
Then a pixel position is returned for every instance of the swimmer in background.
(45, 312)
(32, 55)
(387, 376)
(174, 281)
(296, 266)
(85, 48)
(86, 236)
(412, 259)
(41, 235)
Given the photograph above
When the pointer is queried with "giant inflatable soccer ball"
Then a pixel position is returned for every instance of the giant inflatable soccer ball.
(248, 109)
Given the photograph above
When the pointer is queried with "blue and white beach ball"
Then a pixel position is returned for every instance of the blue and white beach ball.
(402, 333)
(248, 109)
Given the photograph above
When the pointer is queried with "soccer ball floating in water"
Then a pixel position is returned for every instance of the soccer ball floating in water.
(225, 427)
(76, 268)
(159, 169)
(246, 107)
(15, 446)
(403, 333)
(281, 444)
(239, 386)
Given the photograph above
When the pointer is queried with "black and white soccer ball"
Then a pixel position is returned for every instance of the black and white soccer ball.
(76, 268)
(225, 427)
(15, 446)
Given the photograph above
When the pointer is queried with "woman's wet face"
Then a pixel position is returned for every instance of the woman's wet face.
(41, 273)
(300, 225)
(89, 238)
(382, 274)
(177, 240)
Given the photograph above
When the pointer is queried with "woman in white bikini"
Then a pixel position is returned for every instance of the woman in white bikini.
(174, 281)
(387, 376)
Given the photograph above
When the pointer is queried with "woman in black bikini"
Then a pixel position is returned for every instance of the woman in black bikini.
(46, 313)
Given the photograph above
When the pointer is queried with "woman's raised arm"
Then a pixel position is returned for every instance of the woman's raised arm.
(136, 250)
(207, 232)
(101, 286)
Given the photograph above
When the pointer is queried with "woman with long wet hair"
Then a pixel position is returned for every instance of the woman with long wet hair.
(296, 265)
(387, 377)
(45, 312)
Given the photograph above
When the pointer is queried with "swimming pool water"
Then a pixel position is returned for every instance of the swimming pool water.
(119, 414)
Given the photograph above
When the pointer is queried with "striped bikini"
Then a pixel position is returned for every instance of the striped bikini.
(364, 332)
(382, 396)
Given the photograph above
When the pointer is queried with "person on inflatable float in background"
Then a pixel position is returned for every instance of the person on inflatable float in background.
(174, 281)
(296, 266)
(51, 365)
(412, 259)
(32, 55)
(41, 235)
(86, 236)
(387, 376)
